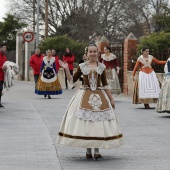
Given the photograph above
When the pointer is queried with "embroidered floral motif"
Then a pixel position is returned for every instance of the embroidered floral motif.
(93, 82)
(95, 101)
(94, 116)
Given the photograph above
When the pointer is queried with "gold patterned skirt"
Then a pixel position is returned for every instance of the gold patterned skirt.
(48, 88)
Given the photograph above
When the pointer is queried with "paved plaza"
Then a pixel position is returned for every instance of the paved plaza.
(29, 125)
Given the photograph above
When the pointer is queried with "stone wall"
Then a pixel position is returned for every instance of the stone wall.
(130, 44)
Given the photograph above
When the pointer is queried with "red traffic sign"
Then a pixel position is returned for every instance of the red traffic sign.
(28, 36)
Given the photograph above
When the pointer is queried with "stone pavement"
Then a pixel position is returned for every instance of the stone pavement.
(29, 125)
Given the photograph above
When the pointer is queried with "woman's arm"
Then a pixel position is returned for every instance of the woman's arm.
(158, 61)
(135, 68)
(65, 66)
(117, 65)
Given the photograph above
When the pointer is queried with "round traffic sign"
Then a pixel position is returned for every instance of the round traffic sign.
(28, 36)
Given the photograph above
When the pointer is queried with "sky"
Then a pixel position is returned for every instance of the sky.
(3, 9)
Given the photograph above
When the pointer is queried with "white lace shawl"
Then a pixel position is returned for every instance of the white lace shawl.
(108, 58)
(86, 70)
(49, 64)
(146, 63)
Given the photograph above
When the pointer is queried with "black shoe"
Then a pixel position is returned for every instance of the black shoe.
(147, 106)
(49, 97)
(66, 87)
(89, 155)
(73, 87)
(1, 105)
(97, 155)
(45, 95)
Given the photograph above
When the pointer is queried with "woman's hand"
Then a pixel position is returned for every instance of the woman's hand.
(117, 72)
(113, 104)
(4, 67)
(133, 78)
(63, 64)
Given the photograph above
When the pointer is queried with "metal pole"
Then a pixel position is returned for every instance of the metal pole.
(46, 18)
(37, 34)
(34, 15)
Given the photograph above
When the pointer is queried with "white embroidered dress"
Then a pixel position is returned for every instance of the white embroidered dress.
(111, 63)
(163, 104)
(148, 83)
(89, 121)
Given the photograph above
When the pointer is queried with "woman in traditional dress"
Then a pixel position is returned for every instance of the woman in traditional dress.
(89, 121)
(48, 82)
(112, 69)
(163, 104)
(147, 88)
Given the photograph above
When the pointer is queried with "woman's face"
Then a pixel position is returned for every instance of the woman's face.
(49, 53)
(92, 53)
(106, 50)
(67, 50)
(146, 52)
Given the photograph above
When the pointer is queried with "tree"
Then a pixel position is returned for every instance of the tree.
(80, 19)
(157, 41)
(163, 20)
(9, 29)
(60, 43)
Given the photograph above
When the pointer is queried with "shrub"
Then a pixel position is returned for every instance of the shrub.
(60, 43)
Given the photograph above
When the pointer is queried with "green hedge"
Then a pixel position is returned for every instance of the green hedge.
(155, 41)
(60, 43)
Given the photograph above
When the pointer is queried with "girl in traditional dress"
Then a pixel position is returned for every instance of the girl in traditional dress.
(146, 89)
(48, 82)
(89, 121)
(112, 69)
(163, 104)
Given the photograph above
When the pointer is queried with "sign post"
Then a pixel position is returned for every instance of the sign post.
(28, 37)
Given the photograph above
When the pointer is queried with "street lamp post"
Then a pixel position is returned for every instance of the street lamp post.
(46, 18)
(37, 34)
